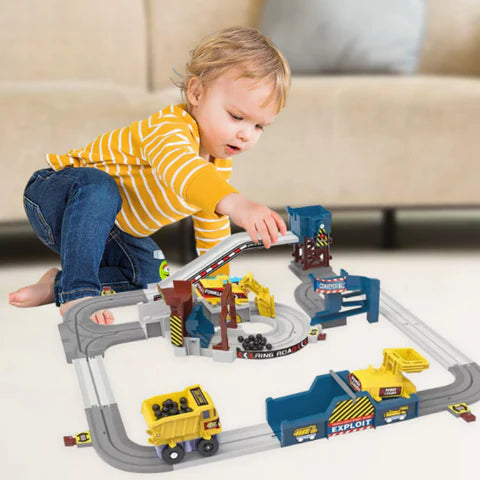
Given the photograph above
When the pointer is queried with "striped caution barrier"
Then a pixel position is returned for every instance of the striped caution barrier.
(351, 416)
(176, 330)
(322, 238)
(221, 261)
(330, 285)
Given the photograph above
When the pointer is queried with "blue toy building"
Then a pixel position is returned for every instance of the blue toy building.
(312, 225)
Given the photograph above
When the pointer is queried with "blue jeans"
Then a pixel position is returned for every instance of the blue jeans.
(73, 212)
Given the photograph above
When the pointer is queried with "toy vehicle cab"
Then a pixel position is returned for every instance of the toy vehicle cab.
(388, 381)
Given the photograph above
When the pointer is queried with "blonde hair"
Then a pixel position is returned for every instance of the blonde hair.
(243, 47)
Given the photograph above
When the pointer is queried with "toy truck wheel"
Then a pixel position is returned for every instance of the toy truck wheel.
(207, 448)
(173, 455)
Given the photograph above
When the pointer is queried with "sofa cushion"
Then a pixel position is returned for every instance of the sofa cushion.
(369, 141)
(55, 117)
(347, 36)
(452, 38)
(89, 40)
(176, 26)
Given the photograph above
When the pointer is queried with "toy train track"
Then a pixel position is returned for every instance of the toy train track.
(345, 407)
(430, 341)
(85, 350)
(220, 255)
(466, 386)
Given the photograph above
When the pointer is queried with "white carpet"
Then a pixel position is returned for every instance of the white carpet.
(41, 402)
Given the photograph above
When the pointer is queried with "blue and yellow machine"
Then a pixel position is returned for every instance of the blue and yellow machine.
(331, 407)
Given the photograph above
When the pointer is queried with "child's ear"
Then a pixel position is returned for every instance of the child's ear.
(194, 90)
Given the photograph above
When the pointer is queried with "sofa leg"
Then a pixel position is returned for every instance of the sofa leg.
(389, 228)
(187, 244)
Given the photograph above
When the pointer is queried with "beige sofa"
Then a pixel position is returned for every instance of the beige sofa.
(71, 70)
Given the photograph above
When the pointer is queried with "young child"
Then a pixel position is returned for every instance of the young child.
(97, 206)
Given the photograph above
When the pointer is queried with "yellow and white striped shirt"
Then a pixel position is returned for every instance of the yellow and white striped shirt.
(160, 175)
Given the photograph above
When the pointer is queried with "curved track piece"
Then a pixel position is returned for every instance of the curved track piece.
(438, 347)
(465, 388)
(220, 255)
(113, 445)
(83, 338)
(310, 301)
(289, 327)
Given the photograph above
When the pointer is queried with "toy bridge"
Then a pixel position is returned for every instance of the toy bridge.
(226, 251)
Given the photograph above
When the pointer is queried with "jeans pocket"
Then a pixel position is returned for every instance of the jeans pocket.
(43, 174)
(38, 222)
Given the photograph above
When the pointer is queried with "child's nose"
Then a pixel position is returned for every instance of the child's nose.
(244, 135)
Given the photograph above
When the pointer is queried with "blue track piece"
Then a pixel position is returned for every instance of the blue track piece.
(199, 326)
(342, 305)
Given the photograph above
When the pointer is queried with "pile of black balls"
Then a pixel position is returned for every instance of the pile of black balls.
(254, 342)
(169, 408)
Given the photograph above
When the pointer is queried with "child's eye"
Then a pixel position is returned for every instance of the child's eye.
(235, 117)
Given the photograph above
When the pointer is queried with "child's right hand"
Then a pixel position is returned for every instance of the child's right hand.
(255, 218)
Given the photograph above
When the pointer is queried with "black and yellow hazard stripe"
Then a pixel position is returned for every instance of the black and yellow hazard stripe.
(322, 238)
(348, 409)
(176, 330)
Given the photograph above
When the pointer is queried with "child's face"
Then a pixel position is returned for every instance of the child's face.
(231, 113)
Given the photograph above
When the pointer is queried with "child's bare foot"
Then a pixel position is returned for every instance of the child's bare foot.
(37, 294)
(103, 317)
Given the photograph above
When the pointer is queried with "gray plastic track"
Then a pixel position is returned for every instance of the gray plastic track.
(465, 387)
(289, 327)
(83, 338)
(216, 254)
(421, 333)
(114, 447)
(310, 301)
(85, 344)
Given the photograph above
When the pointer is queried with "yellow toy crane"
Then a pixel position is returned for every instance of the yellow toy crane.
(263, 300)
(388, 381)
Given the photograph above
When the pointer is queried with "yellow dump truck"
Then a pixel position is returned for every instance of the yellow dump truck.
(180, 422)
